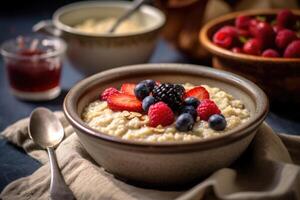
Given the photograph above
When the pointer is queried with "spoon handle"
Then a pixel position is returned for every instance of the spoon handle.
(58, 187)
(136, 5)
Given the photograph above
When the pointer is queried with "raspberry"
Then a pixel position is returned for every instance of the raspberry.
(284, 38)
(242, 22)
(277, 28)
(207, 108)
(223, 39)
(252, 47)
(108, 92)
(292, 50)
(234, 32)
(253, 22)
(231, 30)
(286, 18)
(264, 32)
(237, 50)
(244, 33)
(271, 53)
(252, 25)
(160, 114)
(227, 36)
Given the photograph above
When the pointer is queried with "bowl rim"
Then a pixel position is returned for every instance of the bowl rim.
(262, 106)
(120, 4)
(219, 51)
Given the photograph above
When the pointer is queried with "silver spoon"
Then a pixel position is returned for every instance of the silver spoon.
(47, 131)
(136, 5)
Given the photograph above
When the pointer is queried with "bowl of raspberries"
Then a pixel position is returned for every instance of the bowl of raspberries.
(261, 45)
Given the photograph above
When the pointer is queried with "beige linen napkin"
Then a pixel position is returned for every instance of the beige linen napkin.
(265, 171)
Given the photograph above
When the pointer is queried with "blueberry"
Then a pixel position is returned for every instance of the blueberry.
(141, 91)
(192, 101)
(184, 122)
(217, 122)
(147, 102)
(191, 110)
(150, 84)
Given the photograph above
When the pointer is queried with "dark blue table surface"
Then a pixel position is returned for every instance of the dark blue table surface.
(14, 163)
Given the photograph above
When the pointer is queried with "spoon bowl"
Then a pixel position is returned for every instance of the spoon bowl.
(44, 128)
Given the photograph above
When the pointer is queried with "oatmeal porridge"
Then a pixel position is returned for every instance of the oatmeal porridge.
(103, 26)
(165, 112)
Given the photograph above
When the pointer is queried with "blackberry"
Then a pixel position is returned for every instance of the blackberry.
(171, 94)
(180, 89)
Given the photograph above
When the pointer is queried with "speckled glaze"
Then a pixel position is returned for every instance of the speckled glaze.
(166, 163)
(90, 52)
(278, 77)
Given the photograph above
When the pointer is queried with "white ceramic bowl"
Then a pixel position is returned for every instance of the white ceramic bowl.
(169, 163)
(90, 52)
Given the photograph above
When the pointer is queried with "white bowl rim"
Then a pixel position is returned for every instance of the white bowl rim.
(121, 4)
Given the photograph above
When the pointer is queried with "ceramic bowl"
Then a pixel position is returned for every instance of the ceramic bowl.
(90, 52)
(168, 163)
(278, 77)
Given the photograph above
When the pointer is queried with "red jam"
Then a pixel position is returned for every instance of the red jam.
(33, 74)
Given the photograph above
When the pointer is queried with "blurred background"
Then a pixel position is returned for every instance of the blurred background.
(184, 15)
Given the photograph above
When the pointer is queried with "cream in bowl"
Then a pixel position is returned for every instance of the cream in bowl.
(202, 112)
(164, 160)
(91, 48)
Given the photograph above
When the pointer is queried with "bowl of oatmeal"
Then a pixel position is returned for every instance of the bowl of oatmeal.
(165, 124)
(91, 49)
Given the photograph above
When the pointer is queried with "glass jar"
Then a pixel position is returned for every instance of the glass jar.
(33, 66)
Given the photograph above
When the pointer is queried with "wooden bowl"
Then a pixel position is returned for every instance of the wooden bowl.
(278, 77)
(165, 163)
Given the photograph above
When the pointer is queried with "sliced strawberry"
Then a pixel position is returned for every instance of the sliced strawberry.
(120, 102)
(128, 88)
(198, 92)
